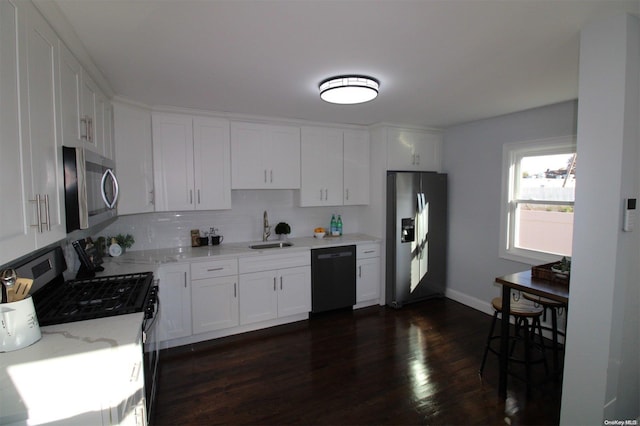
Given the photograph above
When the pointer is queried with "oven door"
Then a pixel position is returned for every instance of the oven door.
(151, 356)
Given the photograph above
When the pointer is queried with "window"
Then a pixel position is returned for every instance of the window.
(538, 193)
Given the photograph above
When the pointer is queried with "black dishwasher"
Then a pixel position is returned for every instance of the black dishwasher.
(333, 278)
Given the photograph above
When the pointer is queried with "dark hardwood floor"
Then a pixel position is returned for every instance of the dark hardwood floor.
(415, 365)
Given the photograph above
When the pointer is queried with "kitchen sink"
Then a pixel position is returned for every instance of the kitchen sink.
(270, 245)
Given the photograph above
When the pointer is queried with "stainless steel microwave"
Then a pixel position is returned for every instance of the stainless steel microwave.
(90, 188)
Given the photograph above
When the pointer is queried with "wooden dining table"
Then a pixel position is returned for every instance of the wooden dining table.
(522, 281)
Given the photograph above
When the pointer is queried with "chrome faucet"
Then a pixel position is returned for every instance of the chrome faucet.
(266, 230)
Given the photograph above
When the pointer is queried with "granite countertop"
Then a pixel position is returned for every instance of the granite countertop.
(72, 373)
(136, 261)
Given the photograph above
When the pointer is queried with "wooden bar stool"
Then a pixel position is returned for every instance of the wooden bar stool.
(554, 307)
(527, 319)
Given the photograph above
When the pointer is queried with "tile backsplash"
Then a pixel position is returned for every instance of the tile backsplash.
(242, 223)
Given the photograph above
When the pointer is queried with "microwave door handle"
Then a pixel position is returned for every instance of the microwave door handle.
(108, 173)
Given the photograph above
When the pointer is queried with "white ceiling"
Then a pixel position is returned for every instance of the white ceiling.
(439, 62)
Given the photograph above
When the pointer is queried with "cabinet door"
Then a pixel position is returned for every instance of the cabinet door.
(258, 297)
(173, 162)
(410, 149)
(16, 238)
(70, 109)
(295, 291)
(132, 138)
(212, 159)
(175, 295)
(247, 152)
(103, 126)
(429, 152)
(264, 156)
(214, 303)
(283, 157)
(321, 167)
(89, 104)
(368, 279)
(356, 167)
(45, 162)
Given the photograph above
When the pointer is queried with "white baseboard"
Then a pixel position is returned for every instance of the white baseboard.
(470, 301)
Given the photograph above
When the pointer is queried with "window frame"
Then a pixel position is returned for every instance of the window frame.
(511, 154)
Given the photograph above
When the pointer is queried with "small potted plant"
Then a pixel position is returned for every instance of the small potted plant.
(283, 229)
(124, 241)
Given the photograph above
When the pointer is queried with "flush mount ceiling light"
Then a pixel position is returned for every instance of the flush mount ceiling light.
(349, 89)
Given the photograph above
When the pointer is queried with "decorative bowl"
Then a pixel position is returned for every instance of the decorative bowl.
(319, 234)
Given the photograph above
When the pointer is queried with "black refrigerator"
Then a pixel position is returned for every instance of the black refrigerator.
(416, 237)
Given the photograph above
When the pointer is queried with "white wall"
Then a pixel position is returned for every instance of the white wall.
(472, 156)
(601, 369)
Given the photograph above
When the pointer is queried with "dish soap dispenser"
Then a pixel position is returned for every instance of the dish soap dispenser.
(114, 249)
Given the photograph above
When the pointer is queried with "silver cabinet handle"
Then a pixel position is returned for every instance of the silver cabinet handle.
(47, 212)
(359, 271)
(185, 280)
(271, 176)
(320, 194)
(274, 283)
(235, 291)
(369, 251)
(198, 196)
(214, 269)
(280, 282)
(347, 196)
(326, 194)
(191, 196)
(84, 124)
(38, 213)
(265, 175)
(90, 129)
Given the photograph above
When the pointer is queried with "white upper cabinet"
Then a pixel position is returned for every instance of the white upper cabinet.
(43, 160)
(15, 236)
(321, 166)
(70, 110)
(85, 112)
(191, 163)
(132, 138)
(410, 149)
(356, 165)
(212, 172)
(264, 156)
(335, 167)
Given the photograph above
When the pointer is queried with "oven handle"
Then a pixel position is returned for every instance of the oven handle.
(149, 323)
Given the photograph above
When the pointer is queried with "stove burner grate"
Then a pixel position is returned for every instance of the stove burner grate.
(92, 298)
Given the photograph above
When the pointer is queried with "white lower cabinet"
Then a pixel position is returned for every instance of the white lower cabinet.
(282, 290)
(274, 294)
(204, 300)
(367, 274)
(129, 406)
(175, 297)
(214, 295)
